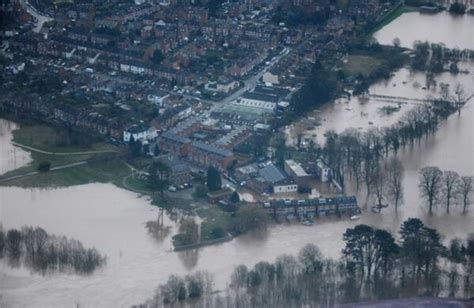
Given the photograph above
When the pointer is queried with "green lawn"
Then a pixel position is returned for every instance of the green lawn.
(360, 64)
(106, 171)
(51, 139)
(213, 217)
(108, 168)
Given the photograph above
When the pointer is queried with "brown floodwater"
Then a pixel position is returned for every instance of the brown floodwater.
(113, 220)
(451, 30)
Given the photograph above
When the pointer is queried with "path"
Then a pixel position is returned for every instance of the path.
(14, 177)
(61, 153)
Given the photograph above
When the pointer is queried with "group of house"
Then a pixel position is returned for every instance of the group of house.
(315, 207)
(268, 178)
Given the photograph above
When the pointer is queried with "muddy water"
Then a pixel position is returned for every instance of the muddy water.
(113, 220)
(451, 30)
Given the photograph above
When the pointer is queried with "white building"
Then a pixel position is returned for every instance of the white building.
(138, 132)
(258, 100)
(324, 172)
(225, 86)
(285, 186)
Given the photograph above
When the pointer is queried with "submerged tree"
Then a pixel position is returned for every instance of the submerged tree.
(465, 188)
(450, 183)
(430, 185)
(395, 174)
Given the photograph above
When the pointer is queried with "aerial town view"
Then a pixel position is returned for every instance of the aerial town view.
(239, 153)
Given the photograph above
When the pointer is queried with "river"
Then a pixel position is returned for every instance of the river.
(113, 220)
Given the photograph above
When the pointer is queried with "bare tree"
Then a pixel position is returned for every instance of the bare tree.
(465, 187)
(378, 181)
(460, 97)
(395, 174)
(430, 185)
(450, 181)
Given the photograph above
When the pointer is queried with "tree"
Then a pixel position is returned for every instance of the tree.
(158, 175)
(250, 217)
(214, 181)
(368, 249)
(2, 242)
(430, 185)
(378, 180)
(156, 150)
(396, 42)
(421, 249)
(460, 98)
(312, 259)
(200, 191)
(318, 89)
(134, 146)
(188, 233)
(280, 152)
(464, 189)
(450, 183)
(173, 290)
(235, 198)
(457, 8)
(44, 166)
(13, 244)
(157, 57)
(395, 174)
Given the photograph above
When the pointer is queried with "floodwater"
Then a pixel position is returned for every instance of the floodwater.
(113, 220)
(11, 157)
(404, 87)
(451, 30)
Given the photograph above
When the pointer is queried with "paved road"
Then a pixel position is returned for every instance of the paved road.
(61, 153)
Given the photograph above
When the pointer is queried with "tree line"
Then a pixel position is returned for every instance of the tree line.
(42, 252)
(446, 187)
(436, 58)
(361, 156)
(373, 266)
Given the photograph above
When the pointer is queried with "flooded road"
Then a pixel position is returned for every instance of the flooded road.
(453, 31)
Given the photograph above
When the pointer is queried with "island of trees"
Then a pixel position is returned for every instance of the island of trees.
(42, 252)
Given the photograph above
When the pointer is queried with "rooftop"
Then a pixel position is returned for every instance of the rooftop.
(296, 168)
(211, 149)
(272, 173)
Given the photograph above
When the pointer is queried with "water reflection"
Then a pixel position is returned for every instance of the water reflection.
(189, 258)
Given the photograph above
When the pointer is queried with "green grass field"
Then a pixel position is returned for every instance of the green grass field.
(107, 168)
(213, 217)
(359, 64)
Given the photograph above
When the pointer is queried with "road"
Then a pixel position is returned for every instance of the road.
(40, 19)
